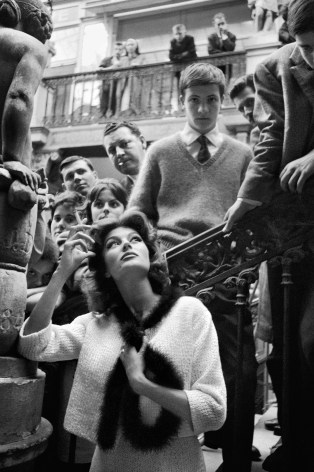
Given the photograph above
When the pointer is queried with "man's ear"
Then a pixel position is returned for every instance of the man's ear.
(221, 101)
(95, 174)
(63, 187)
(144, 143)
(181, 98)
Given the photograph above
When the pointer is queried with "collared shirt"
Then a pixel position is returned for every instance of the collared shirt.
(190, 136)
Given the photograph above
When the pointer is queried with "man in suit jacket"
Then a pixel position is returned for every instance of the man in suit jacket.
(222, 40)
(182, 47)
(283, 161)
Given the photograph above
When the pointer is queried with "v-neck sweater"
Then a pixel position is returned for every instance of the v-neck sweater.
(183, 196)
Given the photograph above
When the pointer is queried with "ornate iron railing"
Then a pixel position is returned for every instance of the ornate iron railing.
(282, 233)
(140, 92)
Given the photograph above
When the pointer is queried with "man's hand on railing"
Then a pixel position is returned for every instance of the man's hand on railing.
(235, 213)
(296, 173)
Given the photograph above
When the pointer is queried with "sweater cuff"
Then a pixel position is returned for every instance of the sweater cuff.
(204, 414)
(31, 345)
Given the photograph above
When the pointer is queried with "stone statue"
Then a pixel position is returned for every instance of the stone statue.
(25, 25)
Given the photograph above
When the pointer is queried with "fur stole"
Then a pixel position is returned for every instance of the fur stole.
(120, 406)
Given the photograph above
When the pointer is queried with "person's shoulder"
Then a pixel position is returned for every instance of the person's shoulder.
(236, 144)
(278, 58)
(19, 43)
(192, 304)
(164, 144)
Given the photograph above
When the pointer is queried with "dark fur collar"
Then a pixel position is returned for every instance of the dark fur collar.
(121, 404)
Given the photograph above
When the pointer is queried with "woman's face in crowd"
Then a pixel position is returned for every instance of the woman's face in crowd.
(125, 253)
(131, 45)
(63, 219)
(106, 205)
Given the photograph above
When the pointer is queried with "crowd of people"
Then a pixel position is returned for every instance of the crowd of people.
(115, 96)
(137, 371)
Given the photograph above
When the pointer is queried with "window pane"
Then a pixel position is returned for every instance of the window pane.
(66, 43)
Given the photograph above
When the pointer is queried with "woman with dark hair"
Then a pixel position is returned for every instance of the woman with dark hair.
(149, 377)
(107, 199)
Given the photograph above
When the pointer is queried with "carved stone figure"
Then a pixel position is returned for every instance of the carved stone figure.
(25, 25)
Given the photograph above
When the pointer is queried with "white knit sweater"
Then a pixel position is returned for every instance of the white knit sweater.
(186, 336)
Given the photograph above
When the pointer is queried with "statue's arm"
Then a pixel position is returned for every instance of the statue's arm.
(17, 114)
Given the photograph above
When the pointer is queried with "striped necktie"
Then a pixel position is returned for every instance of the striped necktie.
(203, 154)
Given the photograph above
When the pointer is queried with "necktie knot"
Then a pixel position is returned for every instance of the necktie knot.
(203, 154)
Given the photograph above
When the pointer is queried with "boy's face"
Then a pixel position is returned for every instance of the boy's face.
(202, 105)
(39, 274)
(305, 41)
(79, 177)
(179, 34)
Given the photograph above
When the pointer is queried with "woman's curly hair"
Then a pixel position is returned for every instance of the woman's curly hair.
(36, 20)
(102, 292)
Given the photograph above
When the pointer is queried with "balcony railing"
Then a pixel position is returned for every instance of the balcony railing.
(139, 92)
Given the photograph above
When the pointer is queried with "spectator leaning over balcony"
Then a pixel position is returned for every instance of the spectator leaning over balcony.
(283, 162)
(131, 96)
(109, 88)
(222, 41)
(184, 185)
(78, 174)
(182, 47)
(125, 146)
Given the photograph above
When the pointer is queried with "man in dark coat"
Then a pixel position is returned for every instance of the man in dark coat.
(284, 161)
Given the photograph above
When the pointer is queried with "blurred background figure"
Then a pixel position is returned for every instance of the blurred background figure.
(108, 95)
(265, 14)
(284, 35)
(182, 49)
(130, 91)
(222, 41)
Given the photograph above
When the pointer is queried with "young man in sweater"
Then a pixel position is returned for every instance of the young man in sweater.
(185, 186)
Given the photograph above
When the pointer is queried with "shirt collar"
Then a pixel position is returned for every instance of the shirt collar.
(189, 135)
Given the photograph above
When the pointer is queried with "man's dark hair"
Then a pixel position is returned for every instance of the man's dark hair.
(301, 16)
(202, 73)
(114, 125)
(69, 160)
(240, 84)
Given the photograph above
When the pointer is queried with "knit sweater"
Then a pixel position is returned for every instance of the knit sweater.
(186, 335)
(183, 196)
